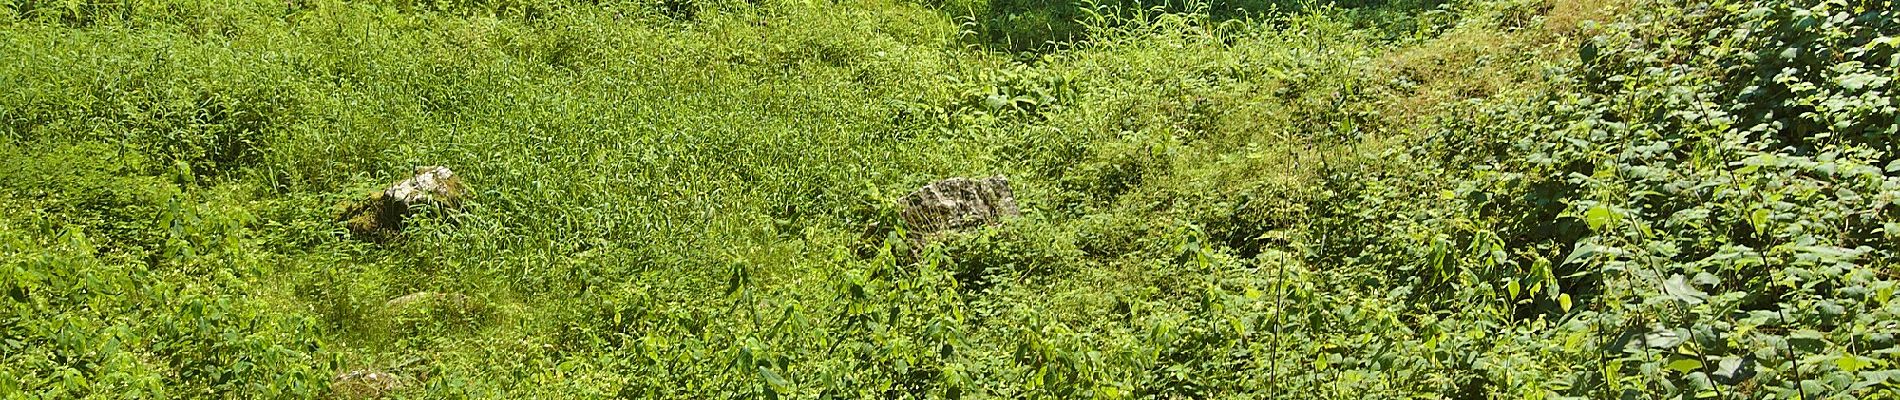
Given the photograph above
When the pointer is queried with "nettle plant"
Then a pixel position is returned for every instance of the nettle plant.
(1710, 205)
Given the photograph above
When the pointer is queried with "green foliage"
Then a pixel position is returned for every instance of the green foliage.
(1702, 195)
(82, 323)
(1041, 26)
(1233, 200)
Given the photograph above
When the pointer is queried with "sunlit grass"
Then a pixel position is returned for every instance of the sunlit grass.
(671, 200)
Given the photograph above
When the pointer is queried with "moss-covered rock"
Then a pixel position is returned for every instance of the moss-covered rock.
(379, 217)
(956, 203)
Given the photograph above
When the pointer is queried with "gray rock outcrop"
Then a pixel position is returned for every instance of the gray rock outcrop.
(957, 203)
(430, 185)
(380, 216)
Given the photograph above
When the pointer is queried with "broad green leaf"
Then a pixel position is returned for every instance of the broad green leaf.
(1852, 363)
(1732, 370)
(1813, 386)
(1759, 219)
(1807, 340)
(1873, 378)
(1677, 287)
(1584, 250)
(1598, 217)
(1860, 81)
(1662, 338)
(1685, 365)
(779, 383)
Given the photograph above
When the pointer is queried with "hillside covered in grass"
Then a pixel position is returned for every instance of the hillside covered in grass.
(698, 199)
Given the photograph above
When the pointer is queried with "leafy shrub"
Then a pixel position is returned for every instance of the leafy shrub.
(79, 325)
(1013, 252)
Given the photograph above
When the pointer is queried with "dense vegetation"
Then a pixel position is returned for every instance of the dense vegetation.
(1229, 199)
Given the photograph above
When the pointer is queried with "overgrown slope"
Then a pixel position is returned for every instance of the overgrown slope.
(1474, 199)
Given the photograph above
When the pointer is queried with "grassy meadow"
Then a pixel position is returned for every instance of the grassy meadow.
(1223, 199)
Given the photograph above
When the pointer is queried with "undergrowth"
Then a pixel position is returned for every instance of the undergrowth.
(1228, 199)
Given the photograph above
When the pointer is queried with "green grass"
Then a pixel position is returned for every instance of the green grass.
(1466, 199)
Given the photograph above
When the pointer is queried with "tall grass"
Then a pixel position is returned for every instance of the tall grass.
(1395, 200)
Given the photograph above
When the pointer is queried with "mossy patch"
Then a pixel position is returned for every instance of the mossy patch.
(375, 218)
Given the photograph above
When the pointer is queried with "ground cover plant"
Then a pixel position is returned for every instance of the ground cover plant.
(1538, 199)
